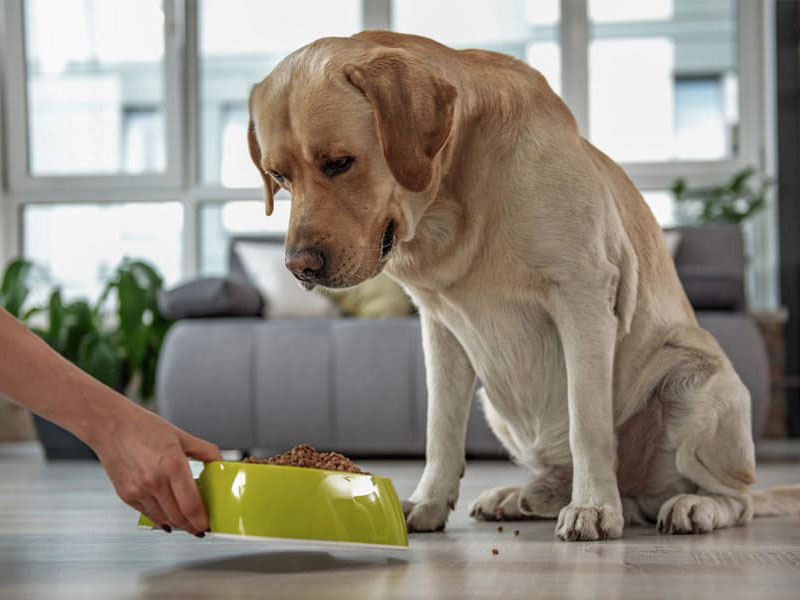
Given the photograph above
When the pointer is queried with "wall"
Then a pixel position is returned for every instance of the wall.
(787, 20)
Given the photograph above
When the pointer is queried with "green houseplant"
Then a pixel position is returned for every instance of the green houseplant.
(733, 201)
(117, 340)
(15, 287)
(141, 327)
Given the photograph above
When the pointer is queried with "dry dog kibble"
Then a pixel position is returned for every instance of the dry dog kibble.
(305, 456)
(499, 528)
(516, 532)
(495, 551)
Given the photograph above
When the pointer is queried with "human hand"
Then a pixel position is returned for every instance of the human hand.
(145, 458)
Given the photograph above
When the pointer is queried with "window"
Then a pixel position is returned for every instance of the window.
(705, 116)
(80, 245)
(663, 206)
(663, 79)
(219, 223)
(240, 41)
(95, 86)
(526, 29)
(121, 108)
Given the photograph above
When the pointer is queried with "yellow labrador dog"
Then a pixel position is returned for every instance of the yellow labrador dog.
(537, 269)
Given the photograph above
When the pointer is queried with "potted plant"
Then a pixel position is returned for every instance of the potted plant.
(124, 355)
(731, 202)
(141, 328)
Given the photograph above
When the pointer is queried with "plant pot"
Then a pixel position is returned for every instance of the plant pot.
(60, 444)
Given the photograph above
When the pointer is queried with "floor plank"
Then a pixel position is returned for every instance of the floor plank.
(64, 534)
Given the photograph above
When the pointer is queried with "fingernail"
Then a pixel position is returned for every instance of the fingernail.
(201, 534)
(167, 528)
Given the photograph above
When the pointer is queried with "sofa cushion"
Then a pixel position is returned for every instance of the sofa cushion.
(206, 376)
(711, 287)
(211, 297)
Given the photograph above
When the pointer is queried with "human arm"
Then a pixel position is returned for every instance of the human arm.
(144, 455)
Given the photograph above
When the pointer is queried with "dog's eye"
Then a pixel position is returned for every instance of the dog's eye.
(277, 176)
(337, 166)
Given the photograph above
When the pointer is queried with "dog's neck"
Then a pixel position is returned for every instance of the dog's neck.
(479, 167)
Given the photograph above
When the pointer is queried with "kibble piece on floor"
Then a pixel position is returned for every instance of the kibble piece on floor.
(516, 532)
(495, 551)
(499, 528)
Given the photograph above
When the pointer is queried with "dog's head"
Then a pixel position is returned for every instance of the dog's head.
(354, 132)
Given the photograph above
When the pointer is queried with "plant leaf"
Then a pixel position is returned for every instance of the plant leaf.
(96, 356)
(14, 288)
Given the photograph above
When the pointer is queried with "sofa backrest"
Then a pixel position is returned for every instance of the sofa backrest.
(710, 262)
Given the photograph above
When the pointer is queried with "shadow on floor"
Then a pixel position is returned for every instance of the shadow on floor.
(285, 562)
(277, 575)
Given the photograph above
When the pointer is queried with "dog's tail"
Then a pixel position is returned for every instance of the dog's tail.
(784, 500)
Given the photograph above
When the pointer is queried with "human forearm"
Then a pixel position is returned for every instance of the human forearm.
(144, 455)
(36, 377)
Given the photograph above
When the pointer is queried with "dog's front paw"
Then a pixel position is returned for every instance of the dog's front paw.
(588, 523)
(426, 515)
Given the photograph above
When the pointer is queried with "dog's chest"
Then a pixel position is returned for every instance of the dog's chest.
(516, 352)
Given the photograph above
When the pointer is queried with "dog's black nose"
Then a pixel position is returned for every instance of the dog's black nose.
(306, 263)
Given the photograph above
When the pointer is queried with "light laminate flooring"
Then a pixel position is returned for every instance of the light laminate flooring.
(64, 534)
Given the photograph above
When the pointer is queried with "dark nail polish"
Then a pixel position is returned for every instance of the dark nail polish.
(167, 528)
(201, 534)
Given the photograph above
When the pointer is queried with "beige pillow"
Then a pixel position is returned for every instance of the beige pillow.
(376, 298)
(284, 297)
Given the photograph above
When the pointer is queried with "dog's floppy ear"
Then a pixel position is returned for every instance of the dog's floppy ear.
(270, 186)
(413, 110)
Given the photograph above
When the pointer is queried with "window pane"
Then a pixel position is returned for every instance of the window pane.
(219, 222)
(527, 29)
(80, 245)
(662, 203)
(663, 79)
(95, 83)
(240, 42)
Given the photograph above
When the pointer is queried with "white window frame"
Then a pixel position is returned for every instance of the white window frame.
(23, 183)
(659, 175)
(181, 181)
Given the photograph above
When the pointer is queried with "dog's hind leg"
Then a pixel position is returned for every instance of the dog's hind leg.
(500, 503)
(710, 431)
(497, 504)
(542, 498)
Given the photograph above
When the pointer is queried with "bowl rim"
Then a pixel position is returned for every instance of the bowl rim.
(296, 469)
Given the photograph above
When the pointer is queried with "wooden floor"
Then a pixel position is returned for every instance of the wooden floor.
(63, 534)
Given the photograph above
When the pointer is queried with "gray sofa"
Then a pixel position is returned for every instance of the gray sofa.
(358, 386)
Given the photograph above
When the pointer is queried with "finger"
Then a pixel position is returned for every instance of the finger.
(188, 498)
(152, 510)
(169, 506)
(140, 508)
(198, 449)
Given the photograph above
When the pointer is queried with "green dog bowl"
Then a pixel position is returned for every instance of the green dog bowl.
(255, 501)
